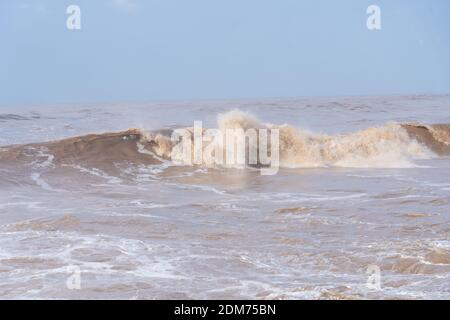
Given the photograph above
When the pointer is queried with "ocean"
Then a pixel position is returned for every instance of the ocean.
(93, 205)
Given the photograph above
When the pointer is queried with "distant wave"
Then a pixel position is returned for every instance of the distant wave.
(11, 116)
(390, 146)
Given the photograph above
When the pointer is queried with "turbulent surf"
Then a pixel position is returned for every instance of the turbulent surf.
(363, 184)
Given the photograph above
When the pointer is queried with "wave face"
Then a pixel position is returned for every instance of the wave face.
(435, 137)
(96, 150)
(390, 146)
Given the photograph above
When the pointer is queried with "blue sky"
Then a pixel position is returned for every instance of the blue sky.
(150, 50)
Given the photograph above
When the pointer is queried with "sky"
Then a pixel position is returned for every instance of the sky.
(154, 50)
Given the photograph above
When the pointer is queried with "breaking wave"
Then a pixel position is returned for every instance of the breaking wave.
(391, 146)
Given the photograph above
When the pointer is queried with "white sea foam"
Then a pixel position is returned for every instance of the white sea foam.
(36, 177)
(387, 146)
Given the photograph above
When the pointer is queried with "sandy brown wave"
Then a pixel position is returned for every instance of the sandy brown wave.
(94, 150)
(138, 147)
(435, 137)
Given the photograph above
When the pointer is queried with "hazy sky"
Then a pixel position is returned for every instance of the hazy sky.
(144, 50)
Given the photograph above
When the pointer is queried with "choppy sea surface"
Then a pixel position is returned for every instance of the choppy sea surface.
(364, 185)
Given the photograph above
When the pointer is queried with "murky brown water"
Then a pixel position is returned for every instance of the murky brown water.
(139, 227)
